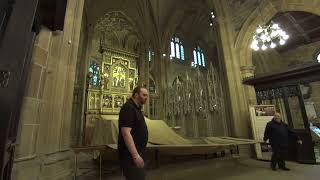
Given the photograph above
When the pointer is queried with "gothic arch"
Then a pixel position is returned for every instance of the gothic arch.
(118, 30)
(171, 31)
(268, 10)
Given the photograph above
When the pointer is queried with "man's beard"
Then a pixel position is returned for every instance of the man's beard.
(143, 101)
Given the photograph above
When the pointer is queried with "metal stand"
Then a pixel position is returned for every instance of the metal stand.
(88, 149)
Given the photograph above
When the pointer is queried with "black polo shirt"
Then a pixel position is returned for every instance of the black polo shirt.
(132, 116)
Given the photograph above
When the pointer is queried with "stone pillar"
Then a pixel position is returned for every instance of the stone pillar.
(236, 106)
(144, 73)
(43, 150)
(147, 83)
(246, 72)
(161, 67)
(142, 65)
(157, 79)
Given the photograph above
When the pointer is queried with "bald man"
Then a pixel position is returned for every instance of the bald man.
(277, 132)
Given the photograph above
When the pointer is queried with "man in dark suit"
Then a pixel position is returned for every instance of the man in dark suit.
(277, 132)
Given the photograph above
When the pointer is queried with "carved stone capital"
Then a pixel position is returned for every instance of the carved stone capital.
(247, 71)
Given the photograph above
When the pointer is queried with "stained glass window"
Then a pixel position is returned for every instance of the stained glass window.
(172, 49)
(203, 62)
(198, 57)
(194, 63)
(94, 70)
(182, 52)
(176, 49)
(151, 55)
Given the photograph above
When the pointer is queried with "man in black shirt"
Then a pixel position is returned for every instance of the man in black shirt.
(278, 134)
(133, 135)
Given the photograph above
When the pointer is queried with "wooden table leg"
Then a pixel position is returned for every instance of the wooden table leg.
(238, 151)
(75, 166)
(100, 167)
(157, 158)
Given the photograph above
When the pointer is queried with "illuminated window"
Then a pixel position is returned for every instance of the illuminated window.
(177, 49)
(198, 57)
(150, 55)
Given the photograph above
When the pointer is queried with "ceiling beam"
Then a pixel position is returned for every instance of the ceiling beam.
(297, 26)
(314, 29)
(306, 18)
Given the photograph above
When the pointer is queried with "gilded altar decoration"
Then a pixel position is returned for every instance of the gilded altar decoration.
(119, 101)
(105, 77)
(112, 82)
(119, 76)
(107, 101)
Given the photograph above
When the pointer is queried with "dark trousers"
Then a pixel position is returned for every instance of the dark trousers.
(278, 157)
(131, 171)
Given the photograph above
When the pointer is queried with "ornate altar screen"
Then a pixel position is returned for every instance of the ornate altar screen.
(111, 79)
(118, 77)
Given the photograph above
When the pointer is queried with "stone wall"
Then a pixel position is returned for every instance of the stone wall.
(272, 61)
(304, 53)
(43, 146)
(268, 61)
(241, 10)
(315, 96)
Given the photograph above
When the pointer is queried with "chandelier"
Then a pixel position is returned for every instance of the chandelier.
(268, 36)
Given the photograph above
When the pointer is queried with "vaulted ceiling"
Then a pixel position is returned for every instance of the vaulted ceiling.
(156, 20)
(303, 28)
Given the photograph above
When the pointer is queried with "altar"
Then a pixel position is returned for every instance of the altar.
(112, 78)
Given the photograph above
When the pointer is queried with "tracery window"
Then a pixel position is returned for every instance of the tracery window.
(318, 57)
(177, 49)
(198, 57)
(150, 55)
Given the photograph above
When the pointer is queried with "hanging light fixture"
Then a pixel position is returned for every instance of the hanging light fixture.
(268, 36)
(212, 18)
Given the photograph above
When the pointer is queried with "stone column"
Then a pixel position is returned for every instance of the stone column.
(144, 73)
(142, 66)
(146, 77)
(161, 69)
(236, 105)
(246, 72)
(43, 150)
